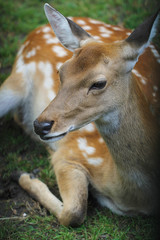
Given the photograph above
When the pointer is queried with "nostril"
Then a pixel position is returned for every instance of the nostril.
(42, 128)
(47, 125)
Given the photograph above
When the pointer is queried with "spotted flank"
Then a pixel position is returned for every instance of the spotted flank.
(29, 56)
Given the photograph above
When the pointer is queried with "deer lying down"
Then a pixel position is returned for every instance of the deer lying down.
(102, 82)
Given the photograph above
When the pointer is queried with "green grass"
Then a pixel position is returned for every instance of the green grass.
(18, 151)
(103, 225)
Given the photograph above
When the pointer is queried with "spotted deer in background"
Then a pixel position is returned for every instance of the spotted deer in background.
(102, 82)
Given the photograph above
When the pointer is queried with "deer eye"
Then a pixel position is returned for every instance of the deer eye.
(98, 85)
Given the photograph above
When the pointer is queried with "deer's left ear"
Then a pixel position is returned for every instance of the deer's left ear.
(140, 38)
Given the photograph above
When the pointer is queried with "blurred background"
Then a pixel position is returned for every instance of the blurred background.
(17, 18)
(18, 151)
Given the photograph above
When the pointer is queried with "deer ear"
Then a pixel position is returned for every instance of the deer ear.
(140, 38)
(69, 33)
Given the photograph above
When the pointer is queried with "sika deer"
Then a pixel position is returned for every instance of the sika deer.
(98, 83)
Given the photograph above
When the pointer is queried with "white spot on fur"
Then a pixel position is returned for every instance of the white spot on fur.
(95, 161)
(142, 79)
(52, 40)
(94, 21)
(154, 94)
(38, 47)
(117, 28)
(89, 128)
(100, 140)
(105, 35)
(46, 29)
(104, 30)
(31, 53)
(108, 25)
(47, 36)
(155, 53)
(82, 144)
(47, 70)
(87, 28)
(97, 37)
(59, 51)
(27, 70)
(81, 22)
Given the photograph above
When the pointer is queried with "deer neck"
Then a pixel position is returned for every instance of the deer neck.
(130, 133)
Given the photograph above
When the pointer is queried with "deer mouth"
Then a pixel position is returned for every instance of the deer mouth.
(53, 138)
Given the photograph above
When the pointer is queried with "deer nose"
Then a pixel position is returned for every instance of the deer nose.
(42, 128)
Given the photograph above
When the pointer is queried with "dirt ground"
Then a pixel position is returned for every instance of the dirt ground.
(16, 203)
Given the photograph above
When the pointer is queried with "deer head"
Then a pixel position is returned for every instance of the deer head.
(96, 81)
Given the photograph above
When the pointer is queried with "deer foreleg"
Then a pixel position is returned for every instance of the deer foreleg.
(73, 187)
(41, 193)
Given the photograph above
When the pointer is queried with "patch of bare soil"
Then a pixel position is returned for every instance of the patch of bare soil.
(16, 203)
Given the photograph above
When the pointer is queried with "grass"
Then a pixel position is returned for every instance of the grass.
(18, 151)
(103, 225)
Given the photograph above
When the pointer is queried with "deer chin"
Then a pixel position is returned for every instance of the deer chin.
(52, 137)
